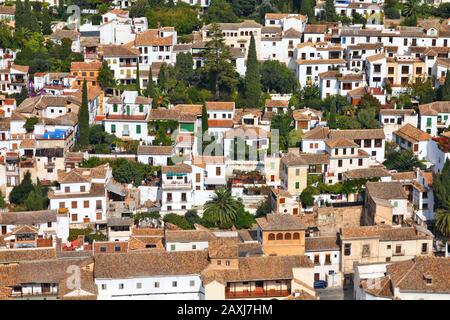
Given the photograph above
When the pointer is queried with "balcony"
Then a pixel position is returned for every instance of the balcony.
(256, 293)
(176, 184)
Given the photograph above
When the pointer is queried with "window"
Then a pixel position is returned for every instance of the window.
(279, 236)
(377, 68)
(82, 188)
(66, 189)
(156, 284)
(74, 217)
(327, 259)
(282, 200)
(398, 249)
(138, 129)
(86, 204)
(297, 185)
(391, 70)
(74, 205)
(296, 236)
(218, 171)
(227, 263)
(113, 128)
(424, 248)
(366, 250)
(174, 284)
(104, 286)
(339, 163)
(194, 247)
(172, 247)
(360, 162)
(316, 259)
(98, 204)
(117, 248)
(347, 249)
(139, 285)
(121, 286)
(405, 69)
(287, 236)
(388, 247)
(271, 236)
(219, 262)
(297, 172)
(62, 205)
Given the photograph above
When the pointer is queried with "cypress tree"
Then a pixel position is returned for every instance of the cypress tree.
(252, 77)
(151, 92)
(204, 118)
(332, 119)
(138, 79)
(330, 10)
(83, 119)
(306, 8)
(445, 90)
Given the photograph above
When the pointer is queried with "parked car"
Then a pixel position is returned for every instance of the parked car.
(320, 284)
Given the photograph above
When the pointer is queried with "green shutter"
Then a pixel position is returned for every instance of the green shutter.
(297, 185)
(428, 122)
(138, 128)
(115, 108)
(113, 128)
(141, 108)
(187, 127)
(128, 110)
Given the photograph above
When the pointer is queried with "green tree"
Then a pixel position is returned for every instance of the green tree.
(441, 189)
(294, 137)
(35, 200)
(105, 76)
(83, 118)
(178, 220)
(2, 201)
(220, 11)
(252, 83)
(20, 192)
(411, 8)
(402, 161)
(332, 118)
(306, 8)
(151, 90)
(30, 123)
(330, 11)
(306, 197)
(138, 79)
(204, 119)
(218, 66)
(184, 68)
(283, 123)
(445, 89)
(222, 208)
(277, 77)
(264, 207)
(46, 20)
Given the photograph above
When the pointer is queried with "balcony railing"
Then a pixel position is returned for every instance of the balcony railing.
(256, 293)
(176, 184)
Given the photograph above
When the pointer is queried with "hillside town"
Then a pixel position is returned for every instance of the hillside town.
(225, 150)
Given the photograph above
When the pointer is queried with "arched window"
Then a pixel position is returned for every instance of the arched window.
(271, 236)
(296, 236)
(287, 236)
(246, 33)
(251, 33)
(242, 33)
(279, 236)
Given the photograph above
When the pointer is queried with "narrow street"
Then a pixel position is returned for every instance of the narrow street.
(339, 293)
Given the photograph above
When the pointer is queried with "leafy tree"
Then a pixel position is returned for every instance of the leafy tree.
(192, 216)
(392, 13)
(106, 76)
(282, 122)
(139, 8)
(367, 118)
(178, 220)
(46, 20)
(403, 160)
(204, 119)
(220, 11)
(151, 90)
(244, 220)
(306, 197)
(422, 89)
(218, 66)
(277, 77)
(252, 82)
(128, 172)
(332, 117)
(330, 11)
(2, 201)
(222, 208)
(264, 207)
(442, 221)
(35, 200)
(20, 192)
(30, 123)
(294, 137)
(181, 16)
(184, 67)
(306, 8)
(83, 119)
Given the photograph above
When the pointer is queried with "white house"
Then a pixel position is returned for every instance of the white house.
(410, 138)
(393, 119)
(82, 193)
(154, 155)
(434, 117)
(151, 276)
(325, 253)
(127, 116)
(187, 240)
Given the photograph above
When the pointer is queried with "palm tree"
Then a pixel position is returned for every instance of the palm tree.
(442, 222)
(411, 8)
(222, 207)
